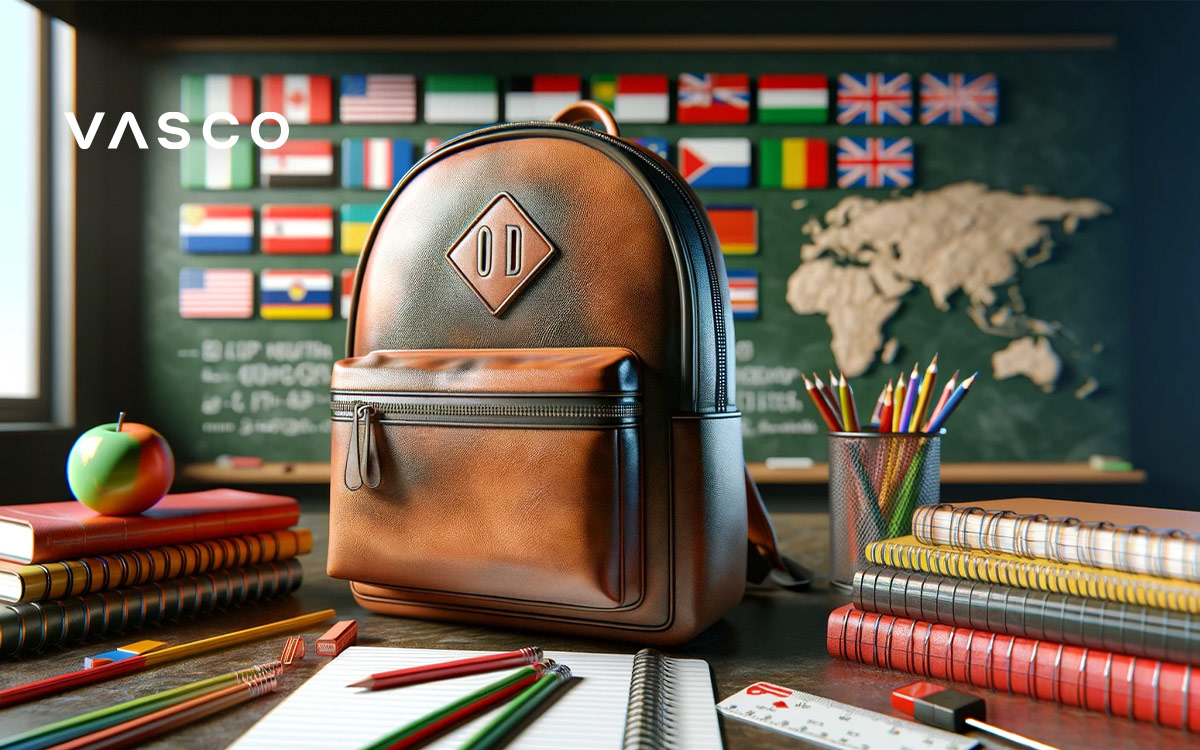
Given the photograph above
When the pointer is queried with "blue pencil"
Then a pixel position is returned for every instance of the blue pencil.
(959, 394)
(910, 398)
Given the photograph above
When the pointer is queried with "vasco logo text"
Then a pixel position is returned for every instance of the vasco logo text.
(176, 137)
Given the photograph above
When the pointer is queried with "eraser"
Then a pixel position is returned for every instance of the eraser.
(293, 651)
(338, 638)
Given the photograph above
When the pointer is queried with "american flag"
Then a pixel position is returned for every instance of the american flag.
(875, 162)
(216, 293)
(959, 99)
(379, 98)
(874, 99)
(714, 98)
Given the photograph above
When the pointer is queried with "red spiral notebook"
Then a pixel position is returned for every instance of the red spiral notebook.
(1144, 689)
(47, 532)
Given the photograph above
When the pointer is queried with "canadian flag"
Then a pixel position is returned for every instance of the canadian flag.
(301, 99)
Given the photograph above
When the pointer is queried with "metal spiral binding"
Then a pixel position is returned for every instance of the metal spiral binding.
(648, 725)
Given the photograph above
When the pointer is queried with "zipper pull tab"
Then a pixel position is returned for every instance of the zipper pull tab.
(362, 459)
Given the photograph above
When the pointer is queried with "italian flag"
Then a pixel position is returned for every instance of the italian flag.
(794, 163)
(201, 95)
(793, 99)
(461, 99)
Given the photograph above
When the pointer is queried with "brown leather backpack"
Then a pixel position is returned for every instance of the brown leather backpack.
(536, 425)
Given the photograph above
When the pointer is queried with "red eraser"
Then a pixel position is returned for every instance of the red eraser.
(338, 638)
(904, 699)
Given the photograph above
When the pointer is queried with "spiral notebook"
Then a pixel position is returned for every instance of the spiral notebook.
(611, 706)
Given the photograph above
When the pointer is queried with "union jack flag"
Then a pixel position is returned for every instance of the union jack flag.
(714, 98)
(875, 162)
(959, 99)
(874, 99)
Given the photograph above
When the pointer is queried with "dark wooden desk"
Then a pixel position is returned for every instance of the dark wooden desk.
(773, 635)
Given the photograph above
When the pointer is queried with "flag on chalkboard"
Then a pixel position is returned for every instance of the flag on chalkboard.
(205, 168)
(216, 228)
(715, 162)
(356, 225)
(461, 99)
(792, 99)
(297, 229)
(657, 144)
(216, 293)
(347, 291)
(875, 162)
(202, 95)
(736, 228)
(296, 295)
(378, 97)
(633, 97)
(959, 99)
(743, 293)
(874, 99)
(540, 97)
(375, 163)
(713, 98)
(298, 163)
(793, 163)
(301, 99)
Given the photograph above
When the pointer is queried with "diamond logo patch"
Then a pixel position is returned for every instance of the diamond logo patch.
(500, 253)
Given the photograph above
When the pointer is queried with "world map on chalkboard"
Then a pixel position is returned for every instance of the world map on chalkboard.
(868, 254)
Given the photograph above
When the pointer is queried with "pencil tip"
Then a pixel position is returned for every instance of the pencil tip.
(933, 362)
(365, 683)
(967, 383)
(807, 383)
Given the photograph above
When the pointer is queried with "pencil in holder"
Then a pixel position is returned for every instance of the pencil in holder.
(876, 481)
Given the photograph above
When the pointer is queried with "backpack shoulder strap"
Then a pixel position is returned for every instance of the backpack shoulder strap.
(764, 558)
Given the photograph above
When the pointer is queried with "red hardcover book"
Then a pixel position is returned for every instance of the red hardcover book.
(1144, 689)
(46, 532)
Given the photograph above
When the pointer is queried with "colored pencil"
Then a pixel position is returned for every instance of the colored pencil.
(927, 384)
(946, 391)
(164, 720)
(419, 730)
(878, 410)
(63, 682)
(952, 403)
(92, 721)
(445, 670)
(910, 398)
(898, 403)
(826, 394)
(885, 414)
(849, 408)
(498, 730)
(830, 421)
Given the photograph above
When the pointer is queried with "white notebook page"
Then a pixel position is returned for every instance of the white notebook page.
(325, 714)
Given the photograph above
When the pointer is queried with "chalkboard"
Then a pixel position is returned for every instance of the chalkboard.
(259, 387)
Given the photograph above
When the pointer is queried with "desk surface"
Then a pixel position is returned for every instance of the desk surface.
(772, 635)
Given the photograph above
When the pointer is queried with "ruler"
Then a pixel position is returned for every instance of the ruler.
(829, 723)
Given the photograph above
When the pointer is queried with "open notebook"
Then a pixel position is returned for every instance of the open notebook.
(324, 713)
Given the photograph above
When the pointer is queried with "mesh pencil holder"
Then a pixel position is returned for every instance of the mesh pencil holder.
(876, 481)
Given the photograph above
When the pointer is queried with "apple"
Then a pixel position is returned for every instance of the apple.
(120, 468)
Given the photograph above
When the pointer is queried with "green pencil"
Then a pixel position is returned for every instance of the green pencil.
(493, 735)
(93, 721)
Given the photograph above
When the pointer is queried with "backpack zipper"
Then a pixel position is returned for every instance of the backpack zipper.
(714, 281)
(419, 408)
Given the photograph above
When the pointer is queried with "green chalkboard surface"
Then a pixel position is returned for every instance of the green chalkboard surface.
(259, 387)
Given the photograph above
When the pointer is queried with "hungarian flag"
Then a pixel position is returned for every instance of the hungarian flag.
(736, 228)
(375, 163)
(792, 99)
(356, 224)
(203, 167)
(714, 98)
(378, 97)
(216, 293)
(634, 97)
(715, 162)
(540, 97)
(295, 229)
(743, 293)
(296, 295)
(347, 291)
(461, 99)
(216, 228)
(301, 99)
(298, 163)
(201, 95)
(793, 163)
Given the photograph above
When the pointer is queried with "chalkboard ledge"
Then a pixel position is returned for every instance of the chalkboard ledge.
(317, 472)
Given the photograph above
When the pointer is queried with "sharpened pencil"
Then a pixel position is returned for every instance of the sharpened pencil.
(829, 399)
(849, 408)
(898, 403)
(939, 419)
(910, 398)
(927, 384)
(830, 420)
(876, 413)
(885, 414)
(946, 391)
(445, 670)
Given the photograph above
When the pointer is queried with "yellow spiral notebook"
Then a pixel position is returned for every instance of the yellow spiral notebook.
(1041, 574)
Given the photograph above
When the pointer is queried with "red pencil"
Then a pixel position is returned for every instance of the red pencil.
(885, 414)
(827, 394)
(830, 420)
(445, 670)
(950, 384)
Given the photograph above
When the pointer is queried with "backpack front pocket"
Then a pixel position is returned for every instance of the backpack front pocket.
(501, 474)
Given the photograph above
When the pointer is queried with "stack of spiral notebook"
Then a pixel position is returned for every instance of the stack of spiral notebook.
(1083, 604)
(67, 573)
